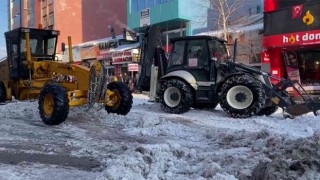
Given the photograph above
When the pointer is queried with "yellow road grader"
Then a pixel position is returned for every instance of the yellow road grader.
(32, 71)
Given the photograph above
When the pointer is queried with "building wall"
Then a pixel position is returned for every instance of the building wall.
(171, 14)
(97, 15)
(159, 13)
(67, 17)
(87, 20)
(84, 20)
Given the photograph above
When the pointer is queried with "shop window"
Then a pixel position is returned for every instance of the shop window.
(172, 34)
(309, 67)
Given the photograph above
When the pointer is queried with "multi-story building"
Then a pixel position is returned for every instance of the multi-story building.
(175, 17)
(84, 20)
(193, 17)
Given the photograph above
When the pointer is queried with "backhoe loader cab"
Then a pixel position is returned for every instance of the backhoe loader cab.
(197, 55)
(43, 47)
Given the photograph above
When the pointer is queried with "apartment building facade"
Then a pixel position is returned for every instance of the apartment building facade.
(83, 20)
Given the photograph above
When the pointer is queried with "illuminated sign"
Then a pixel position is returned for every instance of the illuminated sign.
(299, 38)
(299, 18)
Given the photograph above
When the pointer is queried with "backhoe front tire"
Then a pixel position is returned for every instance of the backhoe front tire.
(176, 96)
(3, 92)
(242, 96)
(53, 104)
(119, 98)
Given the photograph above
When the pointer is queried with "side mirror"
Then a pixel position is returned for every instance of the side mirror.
(63, 47)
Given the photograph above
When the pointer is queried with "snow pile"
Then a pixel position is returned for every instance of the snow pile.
(151, 144)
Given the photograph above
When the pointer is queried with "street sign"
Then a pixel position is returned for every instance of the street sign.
(145, 17)
(131, 36)
(133, 67)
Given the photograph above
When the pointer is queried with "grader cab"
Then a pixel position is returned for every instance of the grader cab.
(31, 71)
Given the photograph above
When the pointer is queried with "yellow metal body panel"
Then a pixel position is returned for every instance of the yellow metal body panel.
(46, 71)
(4, 70)
(77, 97)
(48, 68)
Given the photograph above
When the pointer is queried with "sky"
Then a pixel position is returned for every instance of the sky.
(3, 27)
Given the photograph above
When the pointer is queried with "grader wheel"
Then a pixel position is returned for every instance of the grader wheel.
(53, 104)
(118, 98)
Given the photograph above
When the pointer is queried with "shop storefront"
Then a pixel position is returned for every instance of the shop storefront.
(115, 54)
(88, 54)
(106, 56)
(124, 55)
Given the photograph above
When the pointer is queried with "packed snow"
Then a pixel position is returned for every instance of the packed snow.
(151, 144)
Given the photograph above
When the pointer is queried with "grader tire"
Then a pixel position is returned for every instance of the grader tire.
(120, 102)
(53, 104)
(242, 96)
(268, 110)
(176, 96)
(3, 92)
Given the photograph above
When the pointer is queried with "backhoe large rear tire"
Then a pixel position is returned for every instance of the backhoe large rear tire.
(118, 98)
(176, 96)
(3, 92)
(242, 96)
(53, 104)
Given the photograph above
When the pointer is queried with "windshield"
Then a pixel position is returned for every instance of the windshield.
(40, 46)
(218, 50)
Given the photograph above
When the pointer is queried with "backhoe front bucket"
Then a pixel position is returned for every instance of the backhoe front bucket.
(299, 109)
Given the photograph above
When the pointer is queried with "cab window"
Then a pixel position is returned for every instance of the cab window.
(197, 53)
(218, 50)
(177, 53)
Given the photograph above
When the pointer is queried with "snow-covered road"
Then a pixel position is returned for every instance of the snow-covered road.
(151, 144)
